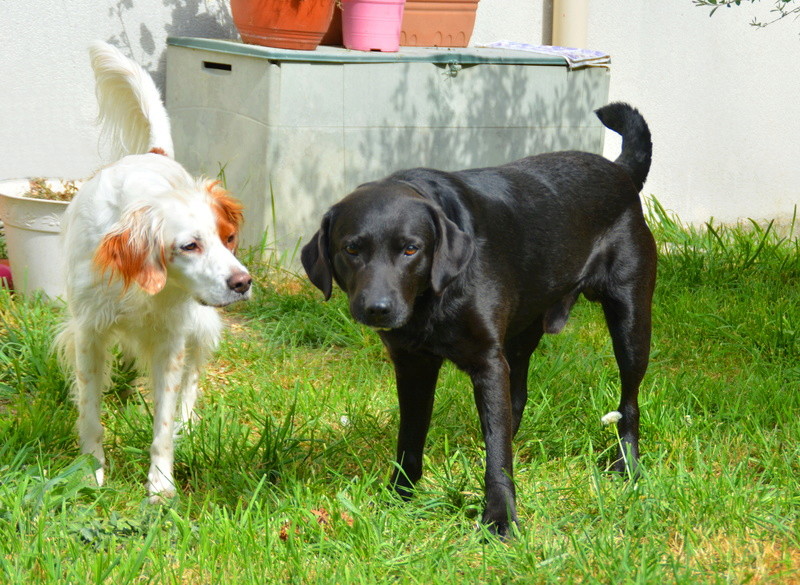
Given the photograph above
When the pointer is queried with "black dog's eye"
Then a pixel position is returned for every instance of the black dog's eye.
(410, 250)
(191, 247)
(351, 249)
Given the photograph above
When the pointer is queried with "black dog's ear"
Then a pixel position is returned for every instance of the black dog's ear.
(316, 258)
(454, 249)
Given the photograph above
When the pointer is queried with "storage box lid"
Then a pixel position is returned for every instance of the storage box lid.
(326, 54)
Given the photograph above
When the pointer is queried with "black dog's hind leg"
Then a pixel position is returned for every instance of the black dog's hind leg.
(518, 353)
(627, 312)
(416, 376)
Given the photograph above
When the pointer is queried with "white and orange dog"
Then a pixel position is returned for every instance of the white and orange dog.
(149, 252)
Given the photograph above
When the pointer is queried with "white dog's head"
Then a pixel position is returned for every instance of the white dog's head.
(185, 240)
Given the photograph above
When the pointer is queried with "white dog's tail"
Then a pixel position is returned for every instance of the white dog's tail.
(132, 114)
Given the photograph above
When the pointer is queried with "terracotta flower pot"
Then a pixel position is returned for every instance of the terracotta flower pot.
(438, 23)
(286, 24)
(334, 35)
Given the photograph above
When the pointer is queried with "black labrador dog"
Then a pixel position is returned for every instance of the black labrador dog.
(475, 266)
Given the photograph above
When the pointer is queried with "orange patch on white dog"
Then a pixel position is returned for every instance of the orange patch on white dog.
(228, 212)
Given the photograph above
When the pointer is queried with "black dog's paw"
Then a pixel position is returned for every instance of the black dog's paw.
(402, 488)
(626, 468)
(500, 524)
(405, 493)
(501, 529)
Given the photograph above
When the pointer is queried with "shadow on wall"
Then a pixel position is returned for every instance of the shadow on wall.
(485, 115)
(296, 137)
(191, 18)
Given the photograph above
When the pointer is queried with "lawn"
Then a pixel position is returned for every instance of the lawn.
(282, 480)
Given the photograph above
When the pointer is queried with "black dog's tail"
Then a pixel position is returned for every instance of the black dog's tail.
(637, 149)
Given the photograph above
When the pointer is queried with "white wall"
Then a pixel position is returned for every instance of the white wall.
(47, 104)
(721, 97)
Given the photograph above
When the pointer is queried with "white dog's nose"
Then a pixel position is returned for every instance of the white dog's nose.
(240, 282)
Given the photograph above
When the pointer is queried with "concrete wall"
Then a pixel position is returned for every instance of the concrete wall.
(721, 98)
(720, 95)
(47, 104)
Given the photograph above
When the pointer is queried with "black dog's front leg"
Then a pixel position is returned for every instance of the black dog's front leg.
(493, 399)
(416, 384)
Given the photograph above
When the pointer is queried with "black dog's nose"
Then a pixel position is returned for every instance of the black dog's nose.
(379, 308)
(240, 282)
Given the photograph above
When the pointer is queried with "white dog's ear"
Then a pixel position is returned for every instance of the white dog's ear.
(134, 251)
(228, 212)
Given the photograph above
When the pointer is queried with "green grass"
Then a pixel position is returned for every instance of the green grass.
(283, 480)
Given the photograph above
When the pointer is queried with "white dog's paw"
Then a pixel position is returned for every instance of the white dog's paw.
(161, 498)
(160, 487)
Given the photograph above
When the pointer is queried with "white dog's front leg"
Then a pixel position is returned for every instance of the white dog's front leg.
(167, 372)
(189, 392)
(90, 374)
(199, 347)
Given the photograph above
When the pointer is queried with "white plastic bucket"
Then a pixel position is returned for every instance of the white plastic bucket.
(32, 229)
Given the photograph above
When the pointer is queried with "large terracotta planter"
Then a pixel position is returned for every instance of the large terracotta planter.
(32, 229)
(286, 24)
(438, 23)
(334, 35)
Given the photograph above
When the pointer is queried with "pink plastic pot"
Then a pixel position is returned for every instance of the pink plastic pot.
(372, 25)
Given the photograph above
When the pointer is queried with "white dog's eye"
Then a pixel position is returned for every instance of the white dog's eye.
(190, 247)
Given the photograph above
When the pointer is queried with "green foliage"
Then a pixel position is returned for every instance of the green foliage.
(282, 478)
(780, 8)
(26, 361)
(747, 264)
(301, 319)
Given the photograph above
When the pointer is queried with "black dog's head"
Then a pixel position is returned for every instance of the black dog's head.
(384, 245)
